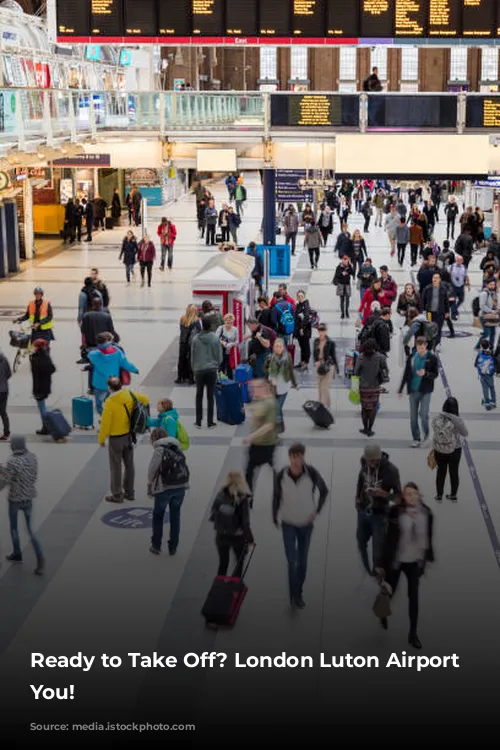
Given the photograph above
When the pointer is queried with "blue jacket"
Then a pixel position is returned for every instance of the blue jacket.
(107, 361)
(167, 420)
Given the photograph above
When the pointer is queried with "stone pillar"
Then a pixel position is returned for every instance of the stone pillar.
(433, 68)
(363, 70)
(394, 71)
(324, 68)
(284, 70)
(474, 67)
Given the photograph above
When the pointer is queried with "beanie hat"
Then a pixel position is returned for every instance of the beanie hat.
(373, 452)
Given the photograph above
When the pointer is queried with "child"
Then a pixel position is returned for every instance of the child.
(485, 364)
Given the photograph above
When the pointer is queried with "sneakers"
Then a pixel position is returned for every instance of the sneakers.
(416, 444)
(198, 426)
(155, 550)
(113, 499)
(14, 558)
(212, 425)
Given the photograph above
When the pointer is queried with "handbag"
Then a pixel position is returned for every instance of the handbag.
(125, 377)
(354, 394)
(382, 604)
(431, 460)
(324, 368)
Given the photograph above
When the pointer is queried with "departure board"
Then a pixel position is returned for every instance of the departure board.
(208, 17)
(241, 18)
(412, 112)
(73, 18)
(274, 18)
(342, 19)
(482, 112)
(106, 18)
(140, 18)
(377, 19)
(410, 18)
(308, 18)
(315, 111)
(445, 18)
(174, 18)
(479, 18)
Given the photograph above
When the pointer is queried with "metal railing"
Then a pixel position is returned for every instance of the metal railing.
(41, 115)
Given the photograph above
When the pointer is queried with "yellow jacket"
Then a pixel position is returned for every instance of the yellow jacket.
(115, 419)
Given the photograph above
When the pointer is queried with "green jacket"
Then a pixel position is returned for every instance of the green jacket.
(206, 352)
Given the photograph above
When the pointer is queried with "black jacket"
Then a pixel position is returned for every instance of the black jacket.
(424, 276)
(318, 484)
(393, 534)
(464, 246)
(343, 246)
(431, 214)
(444, 303)
(378, 329)
(94, 323)
(328, 352)
(303, 325)
(129, 252)
(232, 518)
(343, 275)
(42, 369)
(269, 318)
(5, 373)
(404, 303)
(427, 382)
(387, 479)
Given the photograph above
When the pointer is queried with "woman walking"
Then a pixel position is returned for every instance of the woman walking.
(358, 250)
(407, 299)
(312, 241)
(228, 336)
(129, 254)
(407, 549)
(371, 368)
(230, 516)
(303, 329)
(448, 430)
(325, 361)
(281, 375)
(146, 257)
(189, 326)
(342, 280)
(42, 369)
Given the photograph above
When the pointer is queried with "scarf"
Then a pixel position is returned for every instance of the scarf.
(278, 366)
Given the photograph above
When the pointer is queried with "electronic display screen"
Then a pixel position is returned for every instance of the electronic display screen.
(174, 18)
(342, 18)
(412, 112)
(106, 18)
(207, 17)
(410, 18)
(140, 18)
(73, 18)
(445, 18)
(377, 19)
(241, 18)
(315, 111)
(274, 18)
(308, 18)
(479, 18)
(482, 112)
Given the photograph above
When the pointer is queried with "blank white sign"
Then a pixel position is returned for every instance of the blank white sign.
(216, 160)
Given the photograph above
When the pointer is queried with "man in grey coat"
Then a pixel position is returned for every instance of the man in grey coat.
(206, 359)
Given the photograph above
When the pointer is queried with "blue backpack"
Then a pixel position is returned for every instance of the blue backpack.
(286, 320)
(485, 364)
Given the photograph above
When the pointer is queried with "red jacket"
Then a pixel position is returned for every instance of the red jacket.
(366, 303)
(287, 298)
(147, 252)
(167, 233)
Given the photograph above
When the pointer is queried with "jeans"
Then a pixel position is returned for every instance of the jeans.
(489, 334)
(129, 270)
(146, 265)
(401, 252)
(173, 500)
(370, 526)
(42, 408)
(225, 543)
(459, 292)
(412, 572)
(291, 237)
(4, 395)
(450, 227)
(239, 207)
(280, 402)
(210, 236)
(259, 370)
(164, 250)
(419, 403)
(444, 462)
(205, 380)
(488, 386)
(313, 256)
(25, 508)
(100, 398)
(258, 455)
(296, 540)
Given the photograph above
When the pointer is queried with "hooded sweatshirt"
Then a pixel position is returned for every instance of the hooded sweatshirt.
(167, 420)
(206, 353)
(107, 361)
(447, 431)
(385, 477)
(20, 472)
(312, 237)
(155, 484)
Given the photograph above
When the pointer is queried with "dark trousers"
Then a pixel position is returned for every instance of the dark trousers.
(370, 526)
(438, 319)
(99, 222)
(121, 457)
(225, 543)
(225, 234)
(401, 252)
(291, 237)
(305, 348)
(412, 572)
(459, 292)
(4, 396)
(344, 305)
(296, 540)
(171, 499)
(210, 238)
(324, 233)
(147, 265)
(184, 371)
(413, 254)
(450, 228)
(78, 230)
(447, 462)
(205, 380)
(258, 455)
(314, 256)
(366, 227)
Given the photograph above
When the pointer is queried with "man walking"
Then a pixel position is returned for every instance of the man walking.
(459, 281)
(378, 485)
(206, 359)
(435, 302)
(420, 373)
(117, 427)
(262, 441)
(5, 375)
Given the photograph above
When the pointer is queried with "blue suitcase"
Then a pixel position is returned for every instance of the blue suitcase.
(82, 409)
(243, 374)
(56, 425)
(229, 402)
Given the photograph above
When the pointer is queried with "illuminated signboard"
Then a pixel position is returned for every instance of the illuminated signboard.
(483, 112)
(315, 111)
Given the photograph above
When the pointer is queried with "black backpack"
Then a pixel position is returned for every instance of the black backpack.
(173, 468)
(138, 417)
(476, 307)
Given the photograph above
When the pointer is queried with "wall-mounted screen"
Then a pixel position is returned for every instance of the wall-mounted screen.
(482, 112)
(411, 112)
(315, 111)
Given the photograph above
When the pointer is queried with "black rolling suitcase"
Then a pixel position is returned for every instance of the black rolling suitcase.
(319, 414)
(109, 222)
(224, 600)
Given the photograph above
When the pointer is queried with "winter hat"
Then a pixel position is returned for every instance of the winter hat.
(373, 452)
(18, 444)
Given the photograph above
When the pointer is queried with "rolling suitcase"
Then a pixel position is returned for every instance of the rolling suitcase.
(229, 402)
(109, 222)
(242, 375)
(225, 598)
(57, 425)
(319, 414)
(82, 411)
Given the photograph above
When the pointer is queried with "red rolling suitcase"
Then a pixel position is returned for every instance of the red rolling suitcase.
(224, 600)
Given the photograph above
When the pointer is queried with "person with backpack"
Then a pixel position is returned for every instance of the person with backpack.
(419, 325)
(486, 369)
(435, 302)
(342, 281)
(489, 314)
(283, 289)
(88, 294)
(168, 480)
(421, 370)
(125, 415)
(107, 361)
(168, 419)
(286, 316)
(448, 429)
(300, 493)
(230, 516)
(167, 232)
